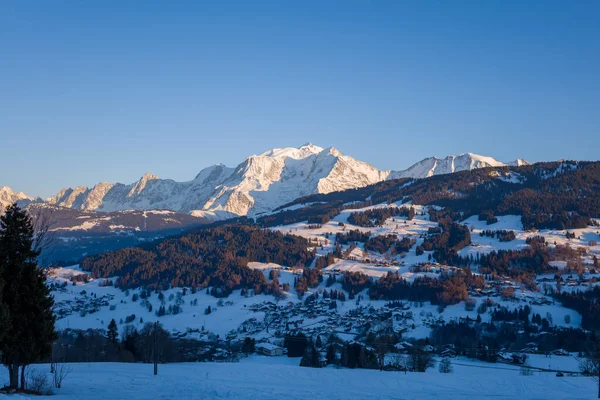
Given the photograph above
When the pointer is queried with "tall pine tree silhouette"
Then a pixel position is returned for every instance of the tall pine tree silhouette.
(113, 332)
(26, 300)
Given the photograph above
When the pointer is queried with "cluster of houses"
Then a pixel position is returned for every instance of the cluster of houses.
(82, 305)
(570, 280)
(493, 289)
(283, 317)
(320, 318)
(503, 286)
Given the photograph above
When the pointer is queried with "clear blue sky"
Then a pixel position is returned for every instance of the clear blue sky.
(108, 90)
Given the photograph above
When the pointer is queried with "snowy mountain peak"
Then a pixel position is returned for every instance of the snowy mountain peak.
(214, 173)
(518, 162)
(334, 152)
(311, 147)
(149, 177)
(6, 190)
(301, 152)
(141, 184)
(474, 159)
(9, 196)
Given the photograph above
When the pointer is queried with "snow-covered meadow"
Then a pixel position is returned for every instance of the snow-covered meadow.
(265, 378)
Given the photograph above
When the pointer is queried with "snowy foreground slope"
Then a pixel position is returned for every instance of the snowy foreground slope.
(273, 379)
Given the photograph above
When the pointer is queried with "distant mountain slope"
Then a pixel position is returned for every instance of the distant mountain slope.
(438, 166)
(519, 162)
(259, 184)
(78, 233)
(555, 195)
(67, 222)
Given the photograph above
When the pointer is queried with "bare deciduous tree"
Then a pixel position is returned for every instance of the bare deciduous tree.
(60, 373)
(37, 381)
(42, 219)
(590, 363)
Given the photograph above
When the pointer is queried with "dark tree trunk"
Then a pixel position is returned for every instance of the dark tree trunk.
(13, 372)
(23, 377)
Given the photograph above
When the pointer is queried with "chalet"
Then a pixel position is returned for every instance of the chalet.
(448, 353)
(545, 279)
(269, 349)
(514, 358)
(560, 352)
(530, 350)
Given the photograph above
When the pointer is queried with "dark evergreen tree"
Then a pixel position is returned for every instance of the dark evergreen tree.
(331, 356)
(411, 213)
(310, 357)
(113, 333)
(295, 344)
(248, 347)
(162, 311)
(26, 298)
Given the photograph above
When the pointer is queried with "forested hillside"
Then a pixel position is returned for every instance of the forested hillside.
(555, 195)
(215, 257)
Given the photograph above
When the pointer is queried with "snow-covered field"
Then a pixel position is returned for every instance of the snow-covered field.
(264, 378)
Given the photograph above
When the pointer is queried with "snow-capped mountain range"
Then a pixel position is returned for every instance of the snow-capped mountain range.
(259, 184)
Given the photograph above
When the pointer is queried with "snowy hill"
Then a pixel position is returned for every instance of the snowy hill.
(259, 184)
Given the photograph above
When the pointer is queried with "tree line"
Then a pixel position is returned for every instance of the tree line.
(377, 216)
(446, 244)
(448, 289)
(502, 235)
